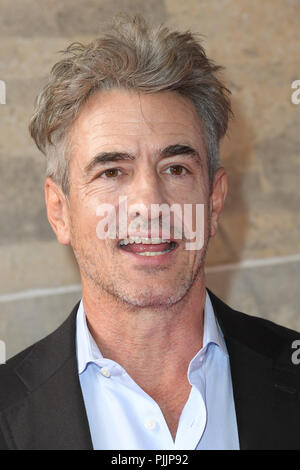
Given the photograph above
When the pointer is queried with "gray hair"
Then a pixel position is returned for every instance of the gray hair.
(136, 57)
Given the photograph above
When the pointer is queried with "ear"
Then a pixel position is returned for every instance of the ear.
(217, 198)
(57, 211)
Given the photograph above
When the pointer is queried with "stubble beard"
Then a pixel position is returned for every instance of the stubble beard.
(116, 285)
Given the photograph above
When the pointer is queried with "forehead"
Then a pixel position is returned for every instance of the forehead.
(123, 118)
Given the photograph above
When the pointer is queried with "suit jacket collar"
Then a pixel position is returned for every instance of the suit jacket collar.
(50, 412)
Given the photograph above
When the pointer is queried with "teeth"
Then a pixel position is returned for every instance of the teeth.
(153, 253)
(144, 241)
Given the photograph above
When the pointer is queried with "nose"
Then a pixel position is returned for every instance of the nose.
(147, 195)
(146, 189)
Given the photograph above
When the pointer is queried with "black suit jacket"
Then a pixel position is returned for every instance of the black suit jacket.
(41, 404)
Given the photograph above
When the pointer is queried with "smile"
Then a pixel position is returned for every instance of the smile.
(147, 246)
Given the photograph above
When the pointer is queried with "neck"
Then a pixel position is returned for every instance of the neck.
(154, 346)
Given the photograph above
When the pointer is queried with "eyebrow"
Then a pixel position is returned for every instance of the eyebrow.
(179, 149)
(170, 151)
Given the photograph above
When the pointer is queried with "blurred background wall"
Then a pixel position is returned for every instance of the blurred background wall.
(254, 263)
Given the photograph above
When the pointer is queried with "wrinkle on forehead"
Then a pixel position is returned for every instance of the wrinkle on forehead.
(127, 120)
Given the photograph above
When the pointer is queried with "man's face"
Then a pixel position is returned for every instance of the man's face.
(150, 150)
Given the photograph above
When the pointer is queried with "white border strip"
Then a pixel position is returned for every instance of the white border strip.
(246, 264)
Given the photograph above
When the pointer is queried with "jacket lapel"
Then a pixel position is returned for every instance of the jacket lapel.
(52, 414)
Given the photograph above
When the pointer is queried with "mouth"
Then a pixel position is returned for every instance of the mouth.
(147, 246)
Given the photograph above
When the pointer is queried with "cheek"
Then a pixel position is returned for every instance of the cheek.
(83, 219)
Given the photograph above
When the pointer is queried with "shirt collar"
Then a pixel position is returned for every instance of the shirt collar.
(212, 329)
(88, 351)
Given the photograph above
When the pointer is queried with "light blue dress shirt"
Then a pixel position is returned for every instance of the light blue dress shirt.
(123, 416)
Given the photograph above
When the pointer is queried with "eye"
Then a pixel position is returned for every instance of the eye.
(177, 170)
(110, 173)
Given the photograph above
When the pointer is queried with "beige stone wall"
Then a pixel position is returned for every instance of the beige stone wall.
(254, 262)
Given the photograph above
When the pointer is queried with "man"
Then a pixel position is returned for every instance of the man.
(149, 358)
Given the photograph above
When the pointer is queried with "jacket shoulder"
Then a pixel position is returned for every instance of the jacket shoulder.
(36, 361)
(259, 334)
(12, 389)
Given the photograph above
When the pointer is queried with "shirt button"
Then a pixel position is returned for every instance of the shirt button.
(150, 424)
(105, 372)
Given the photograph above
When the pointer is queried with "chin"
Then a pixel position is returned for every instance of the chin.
(151, 302)
(156, 298)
